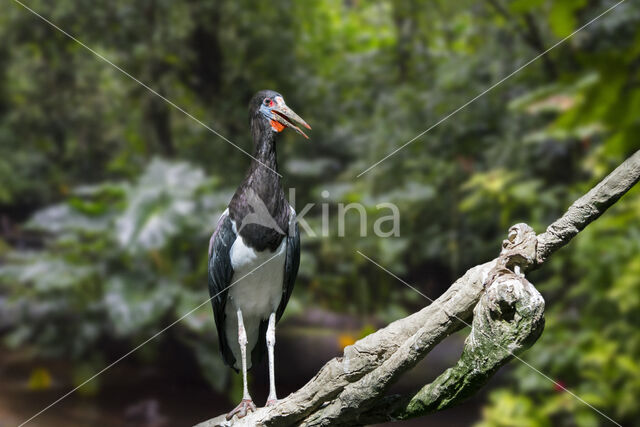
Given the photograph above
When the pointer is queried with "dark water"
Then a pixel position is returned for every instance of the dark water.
(167, 395)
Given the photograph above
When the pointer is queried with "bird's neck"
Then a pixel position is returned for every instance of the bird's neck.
(263, 177)
(265, 159)
(262, 193)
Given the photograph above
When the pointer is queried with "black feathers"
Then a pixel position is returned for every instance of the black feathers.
(291, 264)
(220, 276)
(260, 194)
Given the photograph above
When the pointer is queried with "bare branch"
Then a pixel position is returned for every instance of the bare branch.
(507, 319)
(589, 207)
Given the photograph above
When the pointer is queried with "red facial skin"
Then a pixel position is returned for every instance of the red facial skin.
(277, 126)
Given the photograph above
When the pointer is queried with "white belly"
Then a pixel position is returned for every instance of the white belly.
(257, 294)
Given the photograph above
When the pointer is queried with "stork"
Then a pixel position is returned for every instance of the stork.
(254, 252)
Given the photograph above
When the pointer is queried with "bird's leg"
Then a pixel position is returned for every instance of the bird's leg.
(246, 404)
(271, 342)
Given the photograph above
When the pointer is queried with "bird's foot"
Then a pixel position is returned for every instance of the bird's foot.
(244, 407)
(271, 402)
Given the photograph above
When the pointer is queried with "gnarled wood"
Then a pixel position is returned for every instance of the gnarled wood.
(507, 318)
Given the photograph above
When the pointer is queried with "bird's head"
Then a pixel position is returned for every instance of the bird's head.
(269, 109)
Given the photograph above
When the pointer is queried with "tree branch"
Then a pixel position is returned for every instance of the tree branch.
(507, 315)
(589, 207)
(507, 320)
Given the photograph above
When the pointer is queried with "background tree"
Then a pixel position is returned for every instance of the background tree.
(108, 195)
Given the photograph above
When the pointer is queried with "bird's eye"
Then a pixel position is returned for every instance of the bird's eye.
(267, 102)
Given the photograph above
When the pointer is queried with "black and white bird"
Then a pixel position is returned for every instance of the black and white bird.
(254, 252)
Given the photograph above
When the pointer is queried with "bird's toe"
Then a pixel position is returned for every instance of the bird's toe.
(271, 402)
(244, 407)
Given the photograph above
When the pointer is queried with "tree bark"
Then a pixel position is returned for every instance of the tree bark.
(504, 310)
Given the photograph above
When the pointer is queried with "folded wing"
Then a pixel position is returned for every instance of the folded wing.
(220, 276)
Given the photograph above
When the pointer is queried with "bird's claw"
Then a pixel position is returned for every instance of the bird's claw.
(244, 407)
(271, 402)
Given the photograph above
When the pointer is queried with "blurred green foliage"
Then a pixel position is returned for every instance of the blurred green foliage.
(117, 192)
(116, 267)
